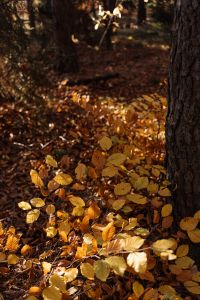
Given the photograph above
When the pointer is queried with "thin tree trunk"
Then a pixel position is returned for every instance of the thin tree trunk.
(31, 14)
(141, 16)
(183, 117)
(109, 5)
(63, 11)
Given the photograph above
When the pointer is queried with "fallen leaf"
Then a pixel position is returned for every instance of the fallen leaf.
(87, 270)
(138, 289)
(101, 269)
(138, 261)
(63, 179)
(51, 161)
(105, 143)
(122, 188)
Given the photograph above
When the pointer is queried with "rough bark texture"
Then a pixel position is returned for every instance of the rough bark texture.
(63, 12)
(183, 118)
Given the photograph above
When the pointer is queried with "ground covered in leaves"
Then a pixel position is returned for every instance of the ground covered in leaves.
(85, 203)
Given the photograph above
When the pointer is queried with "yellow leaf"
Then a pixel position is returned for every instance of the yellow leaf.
(118, 204)
(108, 232)
(192, 287)
(63, 230)
(50, 209)
(51, 293)
(132, 224)
(188, 223)
(117, 264)
(152, 188)
(29, 298)
(197, 215)
(133, 243)
(162, 245)
(2, 256)
(184, 262)
(32, 216)
(93, 212)
(164, 192)
(138, 289)
(58, 282)
(167, 290)
(52, 185)
(24, 205)
(26, 249)
(51, 231)
(51, 161)
(46, 266)
(151, 294)
(110, 171)
(70, 274)
(34, 291)
(116, 159)
(101, 269)
(182, 250)
(114, 246)
(140, 183)
(194, 235)
(78, 211)
(136, 198)
(81, 171)
(12, 243)
(63, 179)
(87, 270)
(36, 178)
(196, 277)
(76, 201)
(166, 210)
(13, 259)
(105, 143)
(37, 202)
(138, 261)
(122, 188)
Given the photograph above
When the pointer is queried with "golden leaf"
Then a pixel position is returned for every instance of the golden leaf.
(50, 209)
(13, 259)
(167, 222)
(36, 179)
(78, 211)
(58, 281)
(132, 224)
(122, 188)
(108, 232)
(63, 230)
(70, 274)
(117, 264)
(192, 287)
(196, 277)
(162, 245)
(101, 269)
(26, 250)
(182, 250)
(151, 294)
(133, 243)
(138, 289)
(138, 261)
(24, 205)
(188, 223)
(51, 161)
(116, 159)
(2, 256)
(197, 215)
(110, 171)
(87, 270)
(194, 235)
(140, 183)
(32, 216)
(152, 188)
(51, 293)
(52, 185)
(167, 290)
(30, 298)
(118, 204)
(34, 291)
(136, 198)
(51, 231)
(164, 192)
(76, 201)
(37, 202)
(93, 211)
(1, 229)
(115, 246)
(81, 171)
(166, 210)
(85, 224)
(184, 262)
(63, 179)
(46, 266)
(81, 251)
(12, 243)
(105, 143)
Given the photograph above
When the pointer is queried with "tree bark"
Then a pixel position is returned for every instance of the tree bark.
(63, 12)
(31, 14)
(141, 15)
(109, 5)
(183, 117)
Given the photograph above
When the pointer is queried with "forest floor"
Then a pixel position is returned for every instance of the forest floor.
(103, 143)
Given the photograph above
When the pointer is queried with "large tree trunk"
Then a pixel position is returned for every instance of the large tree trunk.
(63, 12)
(141, 14)
(183, 117)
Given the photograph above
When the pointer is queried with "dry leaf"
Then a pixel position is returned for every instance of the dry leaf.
(32, 216)
(87, 270)
(34, 290)
(110, 171)
(188, 223)
(117, 264)
(101, 269)
(76, 201)
(51, 161)
(24, 205)
(58, 281)
(116, 159)
(182, 250)
(70, 274)
(122, 188)
(108, 232)
(138, 289)
(194, 235)
(105, 143)
(37, 202)
(118, 204)
(50, 209)
(133, 243)
(151, 294)
(81, 171)
(138, 261)
(46, 266)
(13, 259)
(36, 179)
(136, 198)
(51, 293)
(184, 262)
(164, 192)
(63, 179)
(166, 210)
